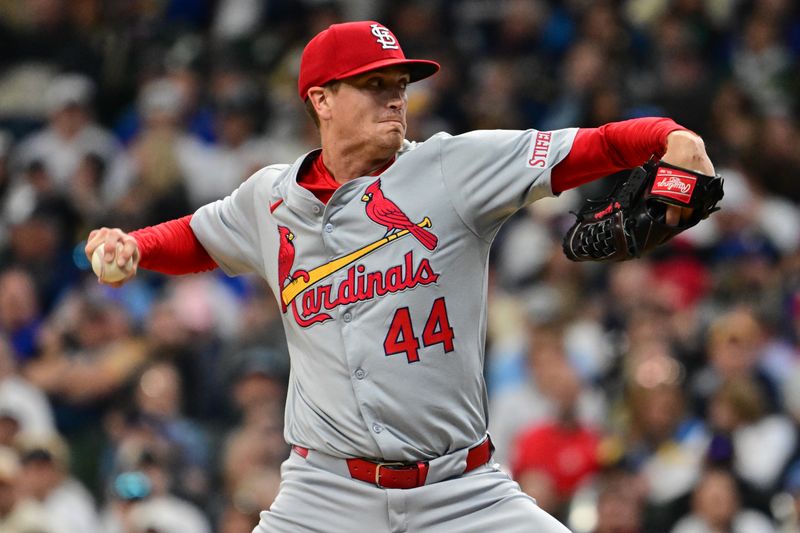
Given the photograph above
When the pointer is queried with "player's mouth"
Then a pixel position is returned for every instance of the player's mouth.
(395, 125)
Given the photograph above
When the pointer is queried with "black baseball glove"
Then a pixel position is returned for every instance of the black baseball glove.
(631, 221)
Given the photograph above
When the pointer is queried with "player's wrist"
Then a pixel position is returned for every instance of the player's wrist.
(686, 149)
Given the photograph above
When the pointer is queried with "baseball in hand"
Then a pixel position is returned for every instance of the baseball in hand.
(109, 272)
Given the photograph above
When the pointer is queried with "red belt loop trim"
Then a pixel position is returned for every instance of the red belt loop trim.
(302, 452)
(479, 455)
(422, 473)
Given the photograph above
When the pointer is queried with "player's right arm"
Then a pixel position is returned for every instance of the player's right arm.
(169, 248)
(223, 233)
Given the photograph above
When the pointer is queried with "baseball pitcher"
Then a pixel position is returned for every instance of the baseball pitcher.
(376, 249)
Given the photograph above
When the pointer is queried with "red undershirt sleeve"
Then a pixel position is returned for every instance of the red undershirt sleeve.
(172, 248)
(598, 152)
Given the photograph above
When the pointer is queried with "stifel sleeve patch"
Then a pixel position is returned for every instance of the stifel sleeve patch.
(539, 151)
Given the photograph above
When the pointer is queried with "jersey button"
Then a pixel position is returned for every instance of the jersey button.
(377, 428)
(347, 317)
(360, 373)
(328, 228)
(315, 209)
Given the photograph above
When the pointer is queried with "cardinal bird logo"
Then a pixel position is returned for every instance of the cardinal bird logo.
(285, 257)
(383, 211)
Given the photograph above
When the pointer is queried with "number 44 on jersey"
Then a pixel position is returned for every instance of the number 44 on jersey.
(401, 337)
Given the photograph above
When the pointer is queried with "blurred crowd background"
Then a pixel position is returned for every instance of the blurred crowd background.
(659, 395)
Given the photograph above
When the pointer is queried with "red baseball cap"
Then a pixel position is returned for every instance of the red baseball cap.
(351, 48)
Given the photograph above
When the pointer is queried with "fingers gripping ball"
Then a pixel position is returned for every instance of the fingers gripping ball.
(110, 272)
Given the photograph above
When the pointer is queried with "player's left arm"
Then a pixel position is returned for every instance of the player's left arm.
(490, 174)
(616, 146)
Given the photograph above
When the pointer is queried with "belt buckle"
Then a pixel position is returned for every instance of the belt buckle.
(378, 467)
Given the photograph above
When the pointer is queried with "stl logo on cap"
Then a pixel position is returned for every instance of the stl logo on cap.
(348, 49)
(385, 37)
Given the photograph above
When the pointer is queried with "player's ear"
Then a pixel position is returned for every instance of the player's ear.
(319, 99)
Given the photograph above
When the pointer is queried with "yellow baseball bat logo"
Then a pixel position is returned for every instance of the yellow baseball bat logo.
(314, 276)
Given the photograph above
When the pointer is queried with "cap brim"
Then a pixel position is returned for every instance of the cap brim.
(419, 69)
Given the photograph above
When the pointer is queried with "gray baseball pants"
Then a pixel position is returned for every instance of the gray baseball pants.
(318, 495)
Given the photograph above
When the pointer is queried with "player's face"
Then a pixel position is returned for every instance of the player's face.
(371, 109)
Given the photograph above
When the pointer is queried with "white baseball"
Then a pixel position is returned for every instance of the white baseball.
(109, 272)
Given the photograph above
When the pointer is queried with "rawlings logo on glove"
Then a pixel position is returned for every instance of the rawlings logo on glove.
(674, 184)
(631, 221)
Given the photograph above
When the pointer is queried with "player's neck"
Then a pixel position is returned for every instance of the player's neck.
(345, 167)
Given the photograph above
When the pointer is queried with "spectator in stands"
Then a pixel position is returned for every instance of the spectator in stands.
(19, 513)
(716, 507)
(88, 351)
(560, 454)
(158, 400)
(734, 344)
(254, 492)
(664, 443)
(45, 477)
(258, 391)
(743, 428)
(71, 132)
(160, 156)
(22, 405)
(620, 503)
(20, 316)
(538, 397)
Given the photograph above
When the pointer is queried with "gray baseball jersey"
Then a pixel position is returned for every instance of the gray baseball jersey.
(384, 288)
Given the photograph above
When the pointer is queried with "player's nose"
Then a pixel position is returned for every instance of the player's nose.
(397, 98)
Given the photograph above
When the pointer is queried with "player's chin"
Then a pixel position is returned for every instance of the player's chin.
(393, 135)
